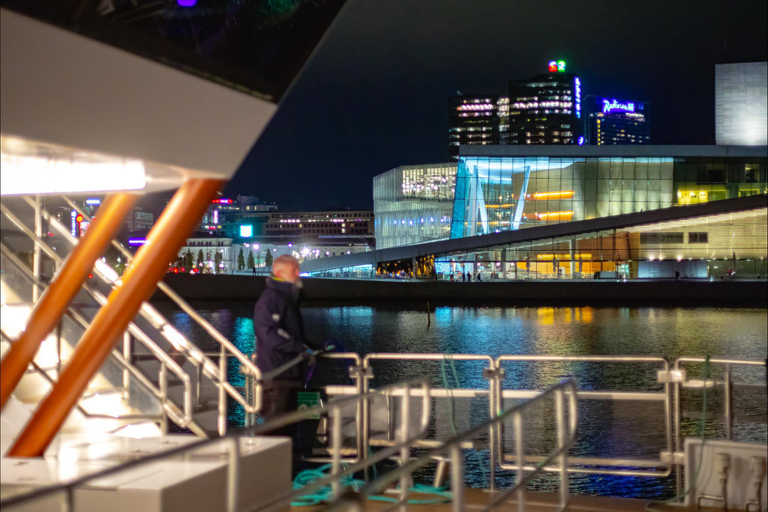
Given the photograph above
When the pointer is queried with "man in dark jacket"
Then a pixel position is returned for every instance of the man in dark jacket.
(280, 337)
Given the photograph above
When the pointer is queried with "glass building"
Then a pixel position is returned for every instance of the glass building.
(545, 109)
(477, 120)
(413, 204)
(508, 188)
(713, 247)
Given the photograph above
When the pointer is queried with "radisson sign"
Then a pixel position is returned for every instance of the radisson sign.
(614, 105)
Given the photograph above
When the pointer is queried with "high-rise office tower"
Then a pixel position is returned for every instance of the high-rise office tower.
(477, 119)
(546, 109)
(612, 121)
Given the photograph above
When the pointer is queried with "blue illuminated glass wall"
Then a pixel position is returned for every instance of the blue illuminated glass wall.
(502, 194)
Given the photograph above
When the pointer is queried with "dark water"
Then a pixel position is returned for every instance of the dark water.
(606, 429)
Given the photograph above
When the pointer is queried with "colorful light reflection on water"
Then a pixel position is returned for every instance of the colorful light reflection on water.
(618, 429)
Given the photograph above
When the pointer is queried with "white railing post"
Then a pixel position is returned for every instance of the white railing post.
(126, 374)
(163, 384)
(562, 439)
(222, 419)
(517, 418)
(336, 447)
(36, 260)
(457, 479)
(233, 473)
(405, 452)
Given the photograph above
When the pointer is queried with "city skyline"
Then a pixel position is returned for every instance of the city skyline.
(379, 109)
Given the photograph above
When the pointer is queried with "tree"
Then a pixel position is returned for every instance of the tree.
(240, 260)
(268, 258)
(200, 258)
(251, 263)
(189, 260)
(217, 262)
(258, 259)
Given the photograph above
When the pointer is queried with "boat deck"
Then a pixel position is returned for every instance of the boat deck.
(476, 499)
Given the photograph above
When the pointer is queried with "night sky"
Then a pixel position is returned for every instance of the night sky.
(375, 94)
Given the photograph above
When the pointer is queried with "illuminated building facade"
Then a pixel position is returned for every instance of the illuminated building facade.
(692, 212)
(502, 188)
(339, 223)
(546, 109)
(303, 248)
(716, 240)
(477, 119)
(138, 220)
(741, 103)
(508, 188)
(721, 246)
(612, 121)
(413, 204)
(224, 214)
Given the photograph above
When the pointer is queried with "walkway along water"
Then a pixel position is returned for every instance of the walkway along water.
(651, 292)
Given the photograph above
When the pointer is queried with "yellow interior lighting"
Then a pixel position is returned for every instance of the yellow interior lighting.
(555, 216)
(563, 194)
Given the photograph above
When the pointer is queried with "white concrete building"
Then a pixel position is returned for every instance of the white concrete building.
(741, 96)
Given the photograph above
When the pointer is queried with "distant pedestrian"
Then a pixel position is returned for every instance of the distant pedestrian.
(677, 275)
(451, 277)
(280, 337)
(254, 270)
(479, 277)
(463, 278)
(469, 277)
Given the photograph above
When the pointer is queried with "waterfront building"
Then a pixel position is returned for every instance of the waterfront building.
(507, 188)
(477, 119)
(224, 214)
(204, 248)
(303, 246)
(337, 223)
(612, 121)
(499, 189)
(139, 220)
(413, 204)
(546, 109)
(741, 102)
(716, 240)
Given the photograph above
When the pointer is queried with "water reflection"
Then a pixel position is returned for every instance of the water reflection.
(615, 428)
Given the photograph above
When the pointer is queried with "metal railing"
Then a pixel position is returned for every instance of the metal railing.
(679, 377)
(204, 366)
(216, 373)
(669, 377)
(182, 417)
(43, 372)
(418, 387)
(567, 423)
(582, 464)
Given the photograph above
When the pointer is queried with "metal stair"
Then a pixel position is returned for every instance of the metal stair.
(156, 361)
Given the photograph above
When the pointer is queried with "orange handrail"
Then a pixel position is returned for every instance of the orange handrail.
(65, 285)
(179, 218)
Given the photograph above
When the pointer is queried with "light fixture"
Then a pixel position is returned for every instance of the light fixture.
(38, 175)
